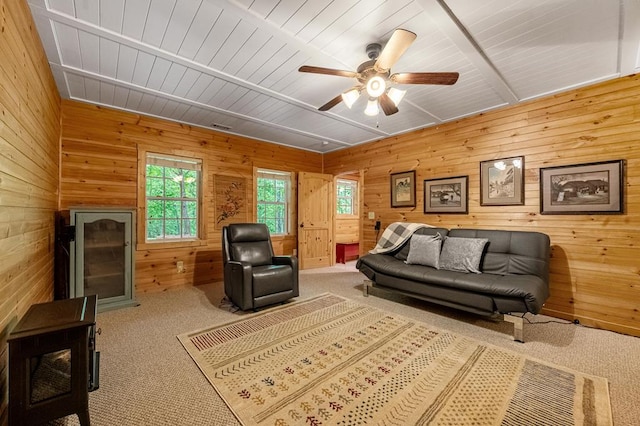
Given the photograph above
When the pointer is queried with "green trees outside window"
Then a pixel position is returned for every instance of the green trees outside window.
(346, 196)
(172, 193)
(273, 192)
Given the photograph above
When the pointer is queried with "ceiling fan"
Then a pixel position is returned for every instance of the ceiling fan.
(374, 76)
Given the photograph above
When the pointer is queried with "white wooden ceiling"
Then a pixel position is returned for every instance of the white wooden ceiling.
(233, 64)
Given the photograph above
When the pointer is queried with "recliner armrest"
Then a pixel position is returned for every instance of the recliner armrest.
(293, 262)
(239, 282)
(286, 260)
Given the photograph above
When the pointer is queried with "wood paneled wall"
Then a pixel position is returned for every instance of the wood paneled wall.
(99, 168)
(29, 157)
(347, 229)
(595, 274)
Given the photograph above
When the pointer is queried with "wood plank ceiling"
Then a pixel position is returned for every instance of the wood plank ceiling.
(232, 64)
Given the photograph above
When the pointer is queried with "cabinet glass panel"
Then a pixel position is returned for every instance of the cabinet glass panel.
(104, 258)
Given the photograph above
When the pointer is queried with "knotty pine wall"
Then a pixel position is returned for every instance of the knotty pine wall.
(99, 168)
(347, 229)
(29, 156)
(595, 272)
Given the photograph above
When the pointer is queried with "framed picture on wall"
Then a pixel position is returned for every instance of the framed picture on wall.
(590, 188)
(403, 189)
(446, 195)
(502, 182)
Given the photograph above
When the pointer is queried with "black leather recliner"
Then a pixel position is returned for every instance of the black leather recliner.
(253, 276)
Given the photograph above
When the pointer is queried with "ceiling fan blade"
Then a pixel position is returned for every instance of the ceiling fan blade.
(333, 102)
(425, 77)
(327, 71)
(387, 105)
(395, 47)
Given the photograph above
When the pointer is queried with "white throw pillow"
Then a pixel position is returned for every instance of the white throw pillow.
(462, 254)
(424, 250)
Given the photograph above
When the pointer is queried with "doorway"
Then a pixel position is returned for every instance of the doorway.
(322, 232)
(348, 218)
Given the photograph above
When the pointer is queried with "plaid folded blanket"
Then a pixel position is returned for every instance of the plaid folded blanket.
(395, 235)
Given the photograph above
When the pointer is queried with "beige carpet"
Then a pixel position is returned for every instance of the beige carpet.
(330, 360)
(147, 378)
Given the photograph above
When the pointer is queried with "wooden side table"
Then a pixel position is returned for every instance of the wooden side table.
(52, 340)
(347, 251)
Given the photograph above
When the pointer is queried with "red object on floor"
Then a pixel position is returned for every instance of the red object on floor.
(347, 251)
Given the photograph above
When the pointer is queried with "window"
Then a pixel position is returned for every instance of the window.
(172, 198)
(273, 193)
(347, 197)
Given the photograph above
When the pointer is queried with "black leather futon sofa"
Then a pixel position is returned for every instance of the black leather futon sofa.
(512, 275)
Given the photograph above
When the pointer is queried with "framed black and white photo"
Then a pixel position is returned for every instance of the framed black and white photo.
(446, 195)
(502, 182)
(403, 189)
(591, 188)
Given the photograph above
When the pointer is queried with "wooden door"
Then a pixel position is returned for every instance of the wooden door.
(315, 220)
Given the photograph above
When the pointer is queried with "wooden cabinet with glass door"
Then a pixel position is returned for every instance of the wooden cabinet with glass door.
(102, 260)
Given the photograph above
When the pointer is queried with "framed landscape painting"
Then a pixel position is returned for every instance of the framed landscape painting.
(591, 188)
(502, 182)
(403, 189)
(447, 195)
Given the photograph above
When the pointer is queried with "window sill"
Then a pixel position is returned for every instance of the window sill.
(163, 245)
(281, 236)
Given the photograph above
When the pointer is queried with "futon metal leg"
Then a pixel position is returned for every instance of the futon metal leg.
(518, 326)
(365, 287)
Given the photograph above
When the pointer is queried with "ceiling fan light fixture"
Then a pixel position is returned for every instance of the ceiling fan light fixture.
(396, 95)
(372, 107)
(376, 86)
(350, 97)
(375, 76)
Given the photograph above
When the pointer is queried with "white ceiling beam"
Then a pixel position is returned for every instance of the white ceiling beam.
(442, 16)
(153, 92)
(272, 29)
(138, 45)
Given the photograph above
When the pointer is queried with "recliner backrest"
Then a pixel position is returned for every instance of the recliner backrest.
(248, 242)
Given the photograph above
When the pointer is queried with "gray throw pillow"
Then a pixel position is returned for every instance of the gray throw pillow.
(424, 250)
(462, 254)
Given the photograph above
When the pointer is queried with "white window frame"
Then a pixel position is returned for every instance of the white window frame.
(286, 179)
(353, 198)
(180, 162)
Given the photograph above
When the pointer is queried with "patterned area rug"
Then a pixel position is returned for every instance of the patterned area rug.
(332, 361)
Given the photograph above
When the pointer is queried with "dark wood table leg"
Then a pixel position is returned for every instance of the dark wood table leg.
(83, 416)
